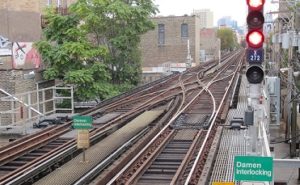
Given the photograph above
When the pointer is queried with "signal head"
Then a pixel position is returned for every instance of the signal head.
(255, 74)
(255, 39)
(255, 19)
(255, 4)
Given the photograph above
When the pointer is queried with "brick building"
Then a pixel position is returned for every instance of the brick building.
(165, 49)
(20, 22)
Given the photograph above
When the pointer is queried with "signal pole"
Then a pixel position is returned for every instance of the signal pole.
(189, 58)
(255, 72)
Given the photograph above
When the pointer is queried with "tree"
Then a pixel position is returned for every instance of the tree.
(95, 47)
(228, 39)
(70, 57)
(118, 25)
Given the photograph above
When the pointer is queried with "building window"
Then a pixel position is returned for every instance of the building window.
(59, 3)
(184, 30)
(49, 2)
(161, 34)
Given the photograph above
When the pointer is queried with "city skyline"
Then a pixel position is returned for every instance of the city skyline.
(236, 9)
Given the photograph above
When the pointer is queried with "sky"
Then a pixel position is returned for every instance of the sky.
(236, 9)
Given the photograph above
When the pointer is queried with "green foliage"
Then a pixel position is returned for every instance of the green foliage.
(228, 39)
(66, 103)
(69, 56)
(118, 25)
(95, 47)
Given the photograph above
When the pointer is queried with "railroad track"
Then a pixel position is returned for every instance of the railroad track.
(159, 164)
(173, 93)
(18, 150)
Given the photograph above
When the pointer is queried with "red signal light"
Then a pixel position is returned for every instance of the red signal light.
(255, 4)
(255, 38)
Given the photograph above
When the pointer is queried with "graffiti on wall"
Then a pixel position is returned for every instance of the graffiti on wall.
(5, 47)
(25, 56)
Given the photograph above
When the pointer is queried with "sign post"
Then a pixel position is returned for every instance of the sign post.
(253, 168)
(222, 183)
(82, 124)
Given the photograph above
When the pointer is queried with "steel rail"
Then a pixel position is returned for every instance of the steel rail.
(150, 102)
(187, 158)
(144, 149)
(31, 143)
(71, 148)
(85, 179)
(152, 140)
(206, 87)
(11, 152)
(207, 135)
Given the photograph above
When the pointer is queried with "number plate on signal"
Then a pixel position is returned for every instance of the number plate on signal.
(255, 55)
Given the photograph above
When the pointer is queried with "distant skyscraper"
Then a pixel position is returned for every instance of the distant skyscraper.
(227, 22)
(206, 17)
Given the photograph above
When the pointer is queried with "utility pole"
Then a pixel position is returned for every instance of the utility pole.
(189, 58)
(288, 101)
(292, 120)
(294, 129)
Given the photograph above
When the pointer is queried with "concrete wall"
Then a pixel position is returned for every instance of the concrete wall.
(20, 5)
(20, 20)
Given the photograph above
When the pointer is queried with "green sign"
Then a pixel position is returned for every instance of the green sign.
(253, 168)
(82, 122)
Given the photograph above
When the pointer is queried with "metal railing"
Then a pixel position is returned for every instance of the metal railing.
(33, 105)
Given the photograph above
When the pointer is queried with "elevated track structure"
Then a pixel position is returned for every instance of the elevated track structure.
(163, 132)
